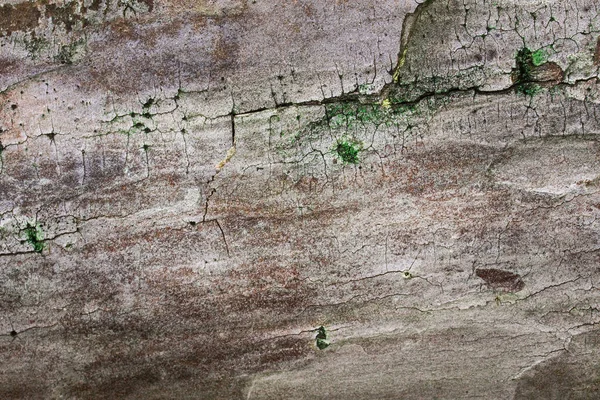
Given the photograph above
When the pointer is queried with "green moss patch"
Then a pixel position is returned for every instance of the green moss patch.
(321, 339)
(35, 237)
(350, 114)
(539, 57)
(526, 62)
(347, 151)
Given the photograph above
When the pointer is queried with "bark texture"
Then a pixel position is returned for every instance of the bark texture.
(299, 199)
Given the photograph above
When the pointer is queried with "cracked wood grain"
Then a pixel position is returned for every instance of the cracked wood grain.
(200, 224)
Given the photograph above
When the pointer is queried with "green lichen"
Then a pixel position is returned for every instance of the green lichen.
(529, 89)
(539, 57)
(371, 113)
(366, 88)
(339, 114)
(35, 236)
(347, 151)
(351, 114)
(35, 46)
(69, 52)
(387, 112)
(321, 339)
(524, 65)
(523, 74)
(407, 109)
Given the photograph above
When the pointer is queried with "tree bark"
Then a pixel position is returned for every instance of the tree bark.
(299, 199)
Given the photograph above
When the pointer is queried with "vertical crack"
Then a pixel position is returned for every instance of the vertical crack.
(233, 114)
(2, 148)
(232, 128)
(83, 164)
(185, 149)
(223, 236)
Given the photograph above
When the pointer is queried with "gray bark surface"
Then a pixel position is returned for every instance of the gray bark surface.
(299, 199)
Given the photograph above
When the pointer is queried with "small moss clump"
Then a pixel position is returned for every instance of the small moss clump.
(352, 114)
(529, 89)
(67, 53)
(35, 237)
(347, 151)
(527, 61)
(524, 65)
(321, 338)
(35, 45)
(539, 57)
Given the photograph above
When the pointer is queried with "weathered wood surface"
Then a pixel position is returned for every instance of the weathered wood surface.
(189, 190)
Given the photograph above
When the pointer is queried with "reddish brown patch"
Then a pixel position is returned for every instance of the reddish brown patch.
(23, 387)
(308, 184)
(143, 59)
(225, 51)
(123, 29)
(7, 65)
(432, 171)
(267, 285)
(498, 279)
(20, 17)
(201, 307)
(283, 349)
(65, 15)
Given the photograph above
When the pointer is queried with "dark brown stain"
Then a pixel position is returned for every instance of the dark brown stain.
(20, 17)
(29, 388)
(25, 16)
(184, 338)
(65, 15)
(147, 382)
(95, 6)
(120, 387)
(502, 280)
(225, 50)
(283, 349)
(7, 65)
(445, 168)
(267, 285)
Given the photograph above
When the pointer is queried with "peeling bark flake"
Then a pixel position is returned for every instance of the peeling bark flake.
(498, 279)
